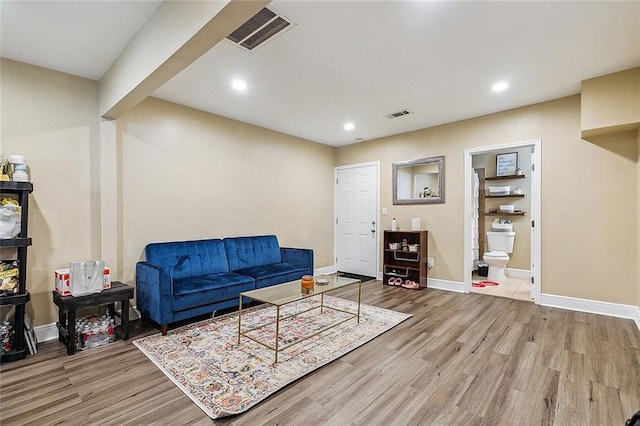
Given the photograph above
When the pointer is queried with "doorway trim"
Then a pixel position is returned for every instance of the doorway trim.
(335, 211)
(536, 201)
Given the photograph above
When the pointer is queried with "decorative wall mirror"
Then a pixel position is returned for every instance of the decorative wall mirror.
(419, 181)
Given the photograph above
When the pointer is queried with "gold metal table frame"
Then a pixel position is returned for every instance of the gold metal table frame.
(284, 294)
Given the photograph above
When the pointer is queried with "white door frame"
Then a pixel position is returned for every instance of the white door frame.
(536, 201)
(335, 211)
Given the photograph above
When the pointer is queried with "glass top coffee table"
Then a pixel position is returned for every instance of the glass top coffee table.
(284, 294)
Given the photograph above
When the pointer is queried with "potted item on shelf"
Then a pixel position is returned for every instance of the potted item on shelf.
(5, 170)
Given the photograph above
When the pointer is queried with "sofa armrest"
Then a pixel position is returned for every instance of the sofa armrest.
(302, 258)
(154, 292)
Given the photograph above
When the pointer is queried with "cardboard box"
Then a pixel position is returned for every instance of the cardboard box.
(62, 281)
(107, 278)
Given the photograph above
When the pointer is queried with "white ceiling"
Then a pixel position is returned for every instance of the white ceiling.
(354, 60)
(82, 38)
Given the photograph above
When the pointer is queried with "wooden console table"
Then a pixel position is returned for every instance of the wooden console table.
(68, 305)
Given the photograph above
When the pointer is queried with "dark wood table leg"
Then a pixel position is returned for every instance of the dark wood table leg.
(62, 320)
(71, 328)
(124, 317)
(111, 307)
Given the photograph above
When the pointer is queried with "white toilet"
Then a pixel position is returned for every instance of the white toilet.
(500, 244)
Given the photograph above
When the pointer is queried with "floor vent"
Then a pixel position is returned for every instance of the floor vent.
(399, 114)
(262, 27)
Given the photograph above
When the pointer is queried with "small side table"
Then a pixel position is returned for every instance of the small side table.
(67, 306)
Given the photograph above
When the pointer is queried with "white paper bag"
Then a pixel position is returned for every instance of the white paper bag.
(10, 220)
(86, 277)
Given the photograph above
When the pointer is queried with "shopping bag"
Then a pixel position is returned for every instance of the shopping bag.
(86, 277)
(9, 220)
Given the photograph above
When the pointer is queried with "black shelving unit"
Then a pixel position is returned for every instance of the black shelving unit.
(21, 191)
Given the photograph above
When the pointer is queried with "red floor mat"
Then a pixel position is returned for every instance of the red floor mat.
(481, 284)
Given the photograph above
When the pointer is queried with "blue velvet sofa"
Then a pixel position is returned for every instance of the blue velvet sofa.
(180, 280)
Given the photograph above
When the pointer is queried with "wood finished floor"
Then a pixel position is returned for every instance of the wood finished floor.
(462, 359)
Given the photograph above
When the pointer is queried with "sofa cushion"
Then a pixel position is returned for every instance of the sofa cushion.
(248, 252)
(189, 258)
(276, 273)
(197, 291)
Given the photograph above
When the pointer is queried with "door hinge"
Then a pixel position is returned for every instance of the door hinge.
(533, 167)
(336, 181)
(531, 280)
(336, 220)
(533, 223)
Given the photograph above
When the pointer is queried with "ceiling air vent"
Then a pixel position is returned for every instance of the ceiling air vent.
(399, 114)
(264, 25)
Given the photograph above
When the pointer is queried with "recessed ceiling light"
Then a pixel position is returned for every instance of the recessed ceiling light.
(500, 86)
(239, 85)
(349, 126)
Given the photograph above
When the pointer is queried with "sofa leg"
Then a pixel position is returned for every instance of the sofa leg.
(164, 328)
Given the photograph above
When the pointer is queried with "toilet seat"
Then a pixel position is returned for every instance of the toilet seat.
(497, 261)
(495, 254)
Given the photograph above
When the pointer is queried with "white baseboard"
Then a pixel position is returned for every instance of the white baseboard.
(50, 331)
(517, 273)
(456, 286)
(617, 310)
(326, 270)
(46, 332)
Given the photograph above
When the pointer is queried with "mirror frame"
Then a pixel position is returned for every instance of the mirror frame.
(433, 200)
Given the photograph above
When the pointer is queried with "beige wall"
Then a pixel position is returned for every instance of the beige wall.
(589, 204)
(51, 118)
(610, 103)
(188, 174)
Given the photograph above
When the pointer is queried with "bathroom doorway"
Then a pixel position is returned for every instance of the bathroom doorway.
(502, 193)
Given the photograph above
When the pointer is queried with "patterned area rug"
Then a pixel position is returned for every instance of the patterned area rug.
(224, 378)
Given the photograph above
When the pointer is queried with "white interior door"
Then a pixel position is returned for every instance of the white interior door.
(356, 219)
